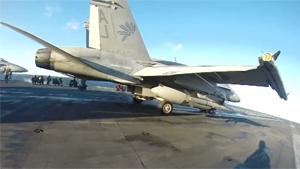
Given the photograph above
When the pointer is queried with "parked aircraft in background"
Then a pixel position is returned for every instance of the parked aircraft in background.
(10, 66)
(116, 52)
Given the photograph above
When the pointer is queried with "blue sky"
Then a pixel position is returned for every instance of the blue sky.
(195, 32)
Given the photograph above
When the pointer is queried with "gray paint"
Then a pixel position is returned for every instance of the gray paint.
(12, 67)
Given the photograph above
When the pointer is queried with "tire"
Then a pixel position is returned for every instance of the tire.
(212, 111)
(167, 108)
(83, 88)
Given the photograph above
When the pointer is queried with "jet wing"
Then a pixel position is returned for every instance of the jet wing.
(266, 74)
(181, 70)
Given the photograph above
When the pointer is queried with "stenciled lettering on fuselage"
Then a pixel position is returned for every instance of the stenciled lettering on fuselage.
(103, 19)
(127, 30)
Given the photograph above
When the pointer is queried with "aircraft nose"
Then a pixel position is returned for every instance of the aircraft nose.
(21, 69)
(42, 58)
(234, 98)
(24, 70)
(15, 68)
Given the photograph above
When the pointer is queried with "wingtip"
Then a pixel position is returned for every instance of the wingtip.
(3, 23)
(275, 55)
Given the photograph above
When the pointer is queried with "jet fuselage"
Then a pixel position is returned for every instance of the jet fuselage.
(121, 70)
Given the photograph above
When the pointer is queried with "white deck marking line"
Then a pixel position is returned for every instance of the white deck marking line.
(291, 124)
(296, 145)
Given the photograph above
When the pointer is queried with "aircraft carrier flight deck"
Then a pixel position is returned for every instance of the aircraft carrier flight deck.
(59, 127)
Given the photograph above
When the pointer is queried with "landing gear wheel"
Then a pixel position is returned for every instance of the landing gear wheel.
(212, 111)
(167, 108)
(137, 100)
(82, 85)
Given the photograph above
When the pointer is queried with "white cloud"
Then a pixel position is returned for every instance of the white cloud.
(174, 46)
(73, 25)
(49, 10)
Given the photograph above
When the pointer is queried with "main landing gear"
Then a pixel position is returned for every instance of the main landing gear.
(166, 108)
(137, 100)
(211, 111)
(82, 85)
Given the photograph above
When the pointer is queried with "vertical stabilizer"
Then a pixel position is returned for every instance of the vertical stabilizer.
(112, 28)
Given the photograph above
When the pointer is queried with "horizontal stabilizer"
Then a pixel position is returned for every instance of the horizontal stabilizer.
(42, 42)
(76, 61)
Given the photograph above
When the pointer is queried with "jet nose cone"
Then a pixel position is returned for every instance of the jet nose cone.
(24, 70)
(17, 69)
(234, 98)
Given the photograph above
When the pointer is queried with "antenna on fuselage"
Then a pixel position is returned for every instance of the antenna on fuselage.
(87, 32)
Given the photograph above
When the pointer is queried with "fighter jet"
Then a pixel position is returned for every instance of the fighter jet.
(5, 65)
(115, 52)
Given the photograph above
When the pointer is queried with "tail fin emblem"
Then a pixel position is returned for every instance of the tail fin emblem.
(127, 30)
